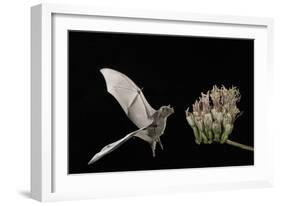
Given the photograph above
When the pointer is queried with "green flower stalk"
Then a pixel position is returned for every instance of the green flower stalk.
(213, 116)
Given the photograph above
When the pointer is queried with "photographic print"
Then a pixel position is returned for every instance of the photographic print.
(149, 102)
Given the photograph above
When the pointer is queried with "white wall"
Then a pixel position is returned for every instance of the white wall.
(15, 103)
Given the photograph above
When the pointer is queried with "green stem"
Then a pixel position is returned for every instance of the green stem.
(242, 146)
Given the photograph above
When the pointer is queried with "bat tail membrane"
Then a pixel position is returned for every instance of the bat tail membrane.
(143, 135)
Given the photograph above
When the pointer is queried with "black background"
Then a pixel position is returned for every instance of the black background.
(172, 70)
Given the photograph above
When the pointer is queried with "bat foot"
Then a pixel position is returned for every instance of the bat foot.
(160, 143)
(153, 147)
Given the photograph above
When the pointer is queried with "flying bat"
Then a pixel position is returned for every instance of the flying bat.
(151, 123)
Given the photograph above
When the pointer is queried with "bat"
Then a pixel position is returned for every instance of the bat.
(151, 123)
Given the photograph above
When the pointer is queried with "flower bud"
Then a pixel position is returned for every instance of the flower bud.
(218, 116)
(217, 130)
(197, 136)
(208, 126)
(190, 118)
(227, 131)
(199, 123)
(203, 137)
(227, 119)
(191, 122)
(208, 121)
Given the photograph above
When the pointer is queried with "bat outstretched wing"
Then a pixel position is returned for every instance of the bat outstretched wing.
(129, 96)
(113, 146)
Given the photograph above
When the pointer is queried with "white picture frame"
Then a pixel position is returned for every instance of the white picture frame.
(49, 179)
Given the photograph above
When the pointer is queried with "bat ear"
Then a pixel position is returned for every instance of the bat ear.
(169, 106)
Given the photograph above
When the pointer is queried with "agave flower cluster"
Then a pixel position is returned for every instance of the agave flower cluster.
(214, 114)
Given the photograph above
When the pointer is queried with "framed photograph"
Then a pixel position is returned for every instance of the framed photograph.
(137, 102)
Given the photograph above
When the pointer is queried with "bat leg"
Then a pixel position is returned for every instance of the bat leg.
(153, 148)
(160, 143)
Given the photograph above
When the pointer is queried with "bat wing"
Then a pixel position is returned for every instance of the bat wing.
(129, 96)
(113, 146)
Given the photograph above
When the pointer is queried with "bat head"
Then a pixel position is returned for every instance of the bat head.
(166, 110)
